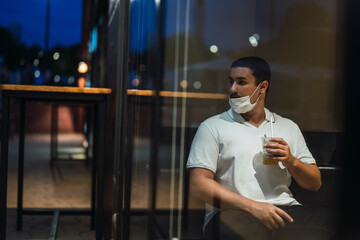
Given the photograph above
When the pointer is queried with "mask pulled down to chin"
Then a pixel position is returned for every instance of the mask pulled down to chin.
(243, 104)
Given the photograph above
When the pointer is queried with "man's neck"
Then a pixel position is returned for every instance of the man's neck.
(255, 116)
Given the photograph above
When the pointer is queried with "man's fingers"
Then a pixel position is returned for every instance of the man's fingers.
(268, 226)
(280, 221)
(275, 146)
(275, 151)
(277, 154)
(278, 140)
(283, 214)
(274, 224)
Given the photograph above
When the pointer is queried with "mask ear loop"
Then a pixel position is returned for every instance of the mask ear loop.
(255, 91)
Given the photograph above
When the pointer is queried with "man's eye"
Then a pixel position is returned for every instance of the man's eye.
(238, 82)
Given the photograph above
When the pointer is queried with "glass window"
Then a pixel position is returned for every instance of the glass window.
(180, 57)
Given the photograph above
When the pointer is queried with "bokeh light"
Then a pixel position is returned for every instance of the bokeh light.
(83, 67)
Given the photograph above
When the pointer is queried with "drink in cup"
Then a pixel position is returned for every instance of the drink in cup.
(266, 159)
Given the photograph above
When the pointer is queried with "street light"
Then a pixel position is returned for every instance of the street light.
(56, 56)
(83, 67)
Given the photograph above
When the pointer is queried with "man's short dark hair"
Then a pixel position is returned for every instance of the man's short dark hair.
(259, 67)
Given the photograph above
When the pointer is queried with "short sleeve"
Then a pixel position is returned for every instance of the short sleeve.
(204, 150)
(301, 150)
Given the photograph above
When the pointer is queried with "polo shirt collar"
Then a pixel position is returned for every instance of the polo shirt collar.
(238, 118)
(235, 116)
(269, 115)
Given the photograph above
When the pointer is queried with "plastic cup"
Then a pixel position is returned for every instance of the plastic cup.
(266, 159)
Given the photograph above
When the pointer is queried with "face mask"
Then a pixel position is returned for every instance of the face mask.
(243, 104)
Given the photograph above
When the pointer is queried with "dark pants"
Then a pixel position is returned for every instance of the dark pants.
(310, 223)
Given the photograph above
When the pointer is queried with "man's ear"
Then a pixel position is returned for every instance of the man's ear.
(264, 86)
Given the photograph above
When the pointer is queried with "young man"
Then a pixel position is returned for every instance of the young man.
(245, 198)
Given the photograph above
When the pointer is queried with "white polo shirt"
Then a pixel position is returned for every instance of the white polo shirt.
(231, 147)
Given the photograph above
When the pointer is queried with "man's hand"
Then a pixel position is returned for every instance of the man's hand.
(306, 175)
(280, 151)
(271, 216)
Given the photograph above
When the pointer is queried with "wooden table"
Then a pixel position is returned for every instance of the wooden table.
(96, 97)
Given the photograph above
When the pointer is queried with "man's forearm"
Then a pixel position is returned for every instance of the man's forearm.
(306, 175)
(204, 187)
(215, 194)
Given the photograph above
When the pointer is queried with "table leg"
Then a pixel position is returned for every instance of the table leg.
(54, 133)
(4, 164)
(128, 168)
(99, 138)
(93, 166)
(19, 211)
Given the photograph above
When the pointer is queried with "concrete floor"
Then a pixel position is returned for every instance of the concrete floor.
(67, 185)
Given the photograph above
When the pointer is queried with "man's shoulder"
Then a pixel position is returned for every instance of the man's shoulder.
(284, 121)
(217, 120)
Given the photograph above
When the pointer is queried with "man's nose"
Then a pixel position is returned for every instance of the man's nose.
(232, 88)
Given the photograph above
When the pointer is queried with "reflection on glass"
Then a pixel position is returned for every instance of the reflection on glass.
(179, 60)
